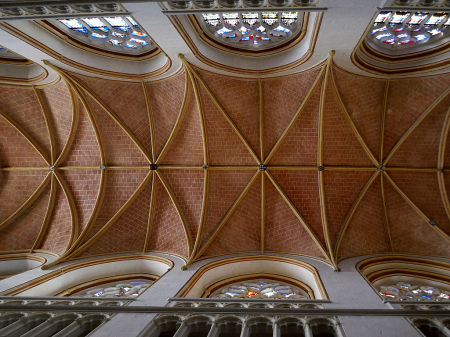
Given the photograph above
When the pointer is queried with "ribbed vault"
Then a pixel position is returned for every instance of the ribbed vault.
(322, 163)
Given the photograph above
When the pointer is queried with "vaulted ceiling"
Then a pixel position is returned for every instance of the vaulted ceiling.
(351, 165)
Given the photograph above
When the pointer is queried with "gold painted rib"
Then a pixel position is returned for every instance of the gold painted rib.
(350, 121)
(27, 203)
(45, 113)
(228, 215)
(353, 209)
(179, 210)
(299, 216)
(151, 212)
(26, 136)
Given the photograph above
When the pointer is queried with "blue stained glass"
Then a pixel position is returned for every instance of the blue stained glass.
(244, 30)
(140, 34)
(421, 37)
(261, 29)
(389, 41)
(117, 22)
(417, 18)
(379, 37)
(379, 30)
(116, 34)
(141, 42)
(382, 17)
(115, 43)
(247, 38)
(224, 30)
(96, 23)
(401, 36)
(435, 19)
(231, 36)
(282, 29)
(73, 24)
(406, 41)
(434, 32)
(99, 36)
(134, 23)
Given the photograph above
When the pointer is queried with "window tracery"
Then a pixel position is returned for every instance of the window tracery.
(251, 30)
(126, 288)
(116, 33)
(399, 30)
(262, 289)
(414, 292)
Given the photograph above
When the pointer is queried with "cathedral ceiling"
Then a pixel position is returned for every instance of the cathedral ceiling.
(322, 163)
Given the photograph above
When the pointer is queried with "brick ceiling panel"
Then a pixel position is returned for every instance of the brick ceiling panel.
(15, 150)
(58, 103)
(225, 146)
(187, 185)
(421, 148)
(127, 100)
(282, 96)
(128, 233)
(242, 232)
(240, 99)
(166, 233)
(367, 231)
(447, 152)
(302, 188)
(60, 226)
(120, 150)
(300, 145)
(340, 145)
(84, 150)
(166, 97)
(283, 230)
(15, 188)
(22, 105)
(365, 107)
(447, 188)
(119, 187)
(22, 233)
(423, 190)
(410, 233)
(224, 188)
(84, 186)
(407, 100)
(341, 191)
(187, 146)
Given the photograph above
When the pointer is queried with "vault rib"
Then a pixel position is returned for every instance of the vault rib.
(151, 213)
(441, 163)
(386, 218)
(150, 118)
(47, 123)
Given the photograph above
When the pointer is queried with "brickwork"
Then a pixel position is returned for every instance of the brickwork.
(240, 99)
(120, 186)
(423, 190)
(23, 107)
(15, 188)
(224, 188)
(340, 145)
(447, 152)
(166, 98)
(167, 233)
(407, 100)
(225, 147)
(15, 150)
(60, 226)
(84, 186)
(283, 231)
(84, 150)
(282, 96)
(302, 188)
(119, 148)
(129, 231)
(187, 185)
(242, 232)
(300, 145)
(341, 190)
(363, 97)
(421, 148)
(127, 100)
(410, 233)
(187, 146)
(366, 232)
(23, 232)
(58, 104)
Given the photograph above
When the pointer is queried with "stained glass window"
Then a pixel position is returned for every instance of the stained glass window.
(127, 288)
(403, 29)
(252, 30)
(413, 292)
(261, 288)
(114, 33)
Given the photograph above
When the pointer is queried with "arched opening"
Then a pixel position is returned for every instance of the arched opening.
(260, 327)
(291, 327)
(198, 327)
(322, 328)
(429, 328)
(167, 326)
(229, 327)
